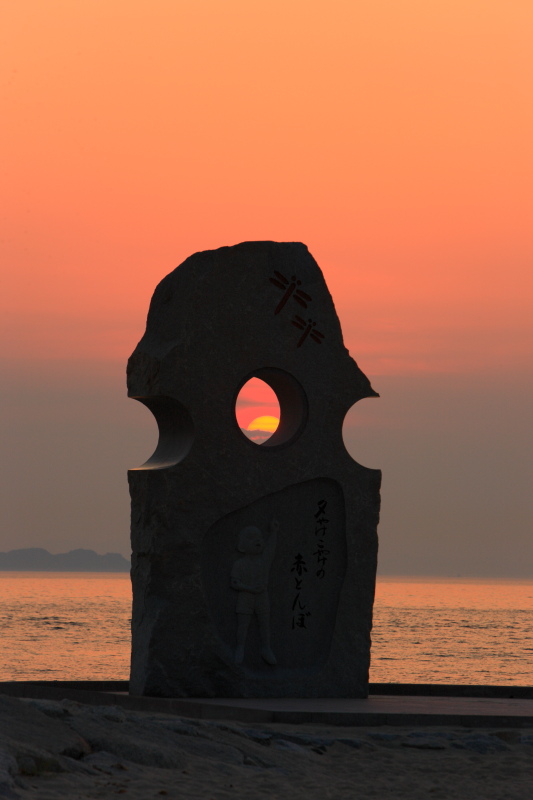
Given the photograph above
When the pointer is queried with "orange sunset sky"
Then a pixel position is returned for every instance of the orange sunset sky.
(393, 137)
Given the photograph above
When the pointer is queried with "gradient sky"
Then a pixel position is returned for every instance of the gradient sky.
(393, 137)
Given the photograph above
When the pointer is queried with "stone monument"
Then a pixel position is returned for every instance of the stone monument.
(253, 566)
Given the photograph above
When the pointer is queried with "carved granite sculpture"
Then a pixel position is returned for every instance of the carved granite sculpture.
(253, 566)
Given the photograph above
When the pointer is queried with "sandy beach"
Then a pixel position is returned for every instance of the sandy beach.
(65, 749)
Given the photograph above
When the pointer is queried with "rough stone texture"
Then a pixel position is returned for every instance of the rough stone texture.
(31, 737)
(219, 319)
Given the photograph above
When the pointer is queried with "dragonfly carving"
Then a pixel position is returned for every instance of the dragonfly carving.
(290, 288)
(308, 328)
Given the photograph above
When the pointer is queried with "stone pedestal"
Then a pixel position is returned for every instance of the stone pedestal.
(253, 566)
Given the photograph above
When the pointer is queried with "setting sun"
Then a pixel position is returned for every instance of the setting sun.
(264, 424)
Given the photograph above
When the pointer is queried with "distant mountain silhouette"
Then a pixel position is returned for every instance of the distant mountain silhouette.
(257, 436)
(39, 560)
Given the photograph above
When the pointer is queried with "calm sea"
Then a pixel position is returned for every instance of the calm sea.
(75, 626)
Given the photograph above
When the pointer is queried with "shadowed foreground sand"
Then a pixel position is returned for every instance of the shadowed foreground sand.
(51, 750)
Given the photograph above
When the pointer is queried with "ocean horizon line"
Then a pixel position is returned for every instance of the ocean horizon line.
(383, 578)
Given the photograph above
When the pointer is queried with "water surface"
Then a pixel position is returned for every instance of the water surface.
(76, 626)
(435, 630)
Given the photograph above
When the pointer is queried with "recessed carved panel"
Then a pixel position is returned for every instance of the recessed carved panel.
(293, 576)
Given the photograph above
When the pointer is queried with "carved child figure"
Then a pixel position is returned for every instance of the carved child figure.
(249, 577)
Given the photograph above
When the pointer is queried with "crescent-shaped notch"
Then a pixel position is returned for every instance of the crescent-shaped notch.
(176, 431)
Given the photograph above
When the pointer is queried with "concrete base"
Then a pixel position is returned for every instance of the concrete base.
(378, 709)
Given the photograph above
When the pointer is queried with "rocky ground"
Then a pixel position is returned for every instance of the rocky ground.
(51, 750)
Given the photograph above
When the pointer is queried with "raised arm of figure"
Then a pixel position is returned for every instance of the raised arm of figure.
(270, 547)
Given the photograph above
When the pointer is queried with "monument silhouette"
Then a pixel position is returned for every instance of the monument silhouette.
(253, 565)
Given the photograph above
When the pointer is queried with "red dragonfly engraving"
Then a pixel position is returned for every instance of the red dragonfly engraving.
(290, 288)
(308, 329)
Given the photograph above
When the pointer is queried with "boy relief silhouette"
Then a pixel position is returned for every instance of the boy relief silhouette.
(249, 578)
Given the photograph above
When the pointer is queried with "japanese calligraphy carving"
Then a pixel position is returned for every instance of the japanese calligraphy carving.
(300, 608)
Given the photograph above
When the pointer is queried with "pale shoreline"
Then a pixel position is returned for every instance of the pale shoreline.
(50, 750)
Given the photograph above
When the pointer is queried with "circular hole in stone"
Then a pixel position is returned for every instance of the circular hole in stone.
(271, 407)
(257, 410)
(365, 432)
